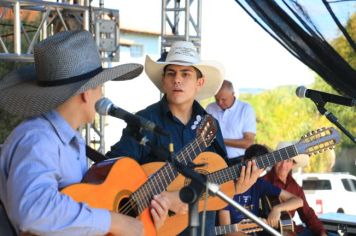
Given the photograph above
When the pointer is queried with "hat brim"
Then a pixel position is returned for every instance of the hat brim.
(301, 160)
(20, 94)
(212, 72)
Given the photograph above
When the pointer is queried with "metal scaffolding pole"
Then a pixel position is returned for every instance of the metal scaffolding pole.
(57, 17)
(173, 11)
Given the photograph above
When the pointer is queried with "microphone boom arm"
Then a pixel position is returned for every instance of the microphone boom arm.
(333, 119)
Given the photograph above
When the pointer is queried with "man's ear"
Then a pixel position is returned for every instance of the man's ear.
(201, 81)
(84, 96)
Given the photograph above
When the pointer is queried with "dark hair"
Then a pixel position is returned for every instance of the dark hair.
(199, 74)
(255, 150)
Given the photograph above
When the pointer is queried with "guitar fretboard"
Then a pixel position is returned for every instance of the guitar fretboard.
(225, 229)
(159, 181)
(263, 161)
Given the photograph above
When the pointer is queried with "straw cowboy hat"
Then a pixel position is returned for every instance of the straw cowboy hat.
(300, 160)
(66, 64)
(184, 53)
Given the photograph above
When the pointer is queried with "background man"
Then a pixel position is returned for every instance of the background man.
(236, 118)
(281, 176)
(251, 198)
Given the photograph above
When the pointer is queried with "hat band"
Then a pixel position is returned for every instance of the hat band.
(74, 79)
(180, 61)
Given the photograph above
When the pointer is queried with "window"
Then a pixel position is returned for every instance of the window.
(136, 50)
(316, 184)
(349, 184)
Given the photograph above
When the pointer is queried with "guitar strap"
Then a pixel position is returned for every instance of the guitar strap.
(94, 155)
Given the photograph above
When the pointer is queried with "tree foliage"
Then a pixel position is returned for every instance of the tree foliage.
(283, 116)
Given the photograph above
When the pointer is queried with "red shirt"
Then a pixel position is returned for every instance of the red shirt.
(306, 213)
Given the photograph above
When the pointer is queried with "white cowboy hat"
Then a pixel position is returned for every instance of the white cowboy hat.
(300, 160)
(184, 53)
(66, 64)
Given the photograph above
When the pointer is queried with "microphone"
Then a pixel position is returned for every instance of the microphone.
(105, 107)
(318, 96)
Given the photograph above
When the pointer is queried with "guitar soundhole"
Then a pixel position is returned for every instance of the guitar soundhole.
(128, 207)
(200, 171)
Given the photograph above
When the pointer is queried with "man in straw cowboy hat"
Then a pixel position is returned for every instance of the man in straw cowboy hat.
(182, 77)
(281, 176)
(45, 153)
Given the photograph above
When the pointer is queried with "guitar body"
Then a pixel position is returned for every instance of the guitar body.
(286, 224)
(113, 192)
(213, 162)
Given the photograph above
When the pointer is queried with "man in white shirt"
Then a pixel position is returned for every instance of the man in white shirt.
(237, 120)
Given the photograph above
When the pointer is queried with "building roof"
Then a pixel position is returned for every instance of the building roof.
(138, 31)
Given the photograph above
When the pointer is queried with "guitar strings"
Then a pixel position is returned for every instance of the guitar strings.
(133, 204)
(262, 161)
(142, 193)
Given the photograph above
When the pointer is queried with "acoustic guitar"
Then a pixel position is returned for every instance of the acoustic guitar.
(245, 226)
(312, 143)
(120, 185)
(286, 224)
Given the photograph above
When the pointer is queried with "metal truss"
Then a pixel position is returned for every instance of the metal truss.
(55, 17)
(183, 18)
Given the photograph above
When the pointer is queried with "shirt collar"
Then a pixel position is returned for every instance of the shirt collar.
(197, 108)
(275, 178)
(64, 131)
(234, 104)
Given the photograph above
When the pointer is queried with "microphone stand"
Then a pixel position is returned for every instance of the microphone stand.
(320, 103)
(191, 193)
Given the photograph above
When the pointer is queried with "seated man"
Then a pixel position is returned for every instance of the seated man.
(250, 199)
(281, 176)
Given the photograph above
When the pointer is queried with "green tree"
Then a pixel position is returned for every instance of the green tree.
(342, 46)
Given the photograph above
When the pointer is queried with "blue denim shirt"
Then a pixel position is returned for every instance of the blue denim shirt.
(41, 156)
(180, 133)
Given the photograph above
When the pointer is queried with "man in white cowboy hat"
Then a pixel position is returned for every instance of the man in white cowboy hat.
(45, 153)
(182, 78)
(281, 176)
(237, 120)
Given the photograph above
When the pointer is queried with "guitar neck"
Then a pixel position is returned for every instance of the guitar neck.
(262, 161)
(245, 226)
(225, 229)
(159, 181)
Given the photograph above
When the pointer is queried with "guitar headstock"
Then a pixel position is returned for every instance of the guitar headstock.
(207, 129)
(318, 141)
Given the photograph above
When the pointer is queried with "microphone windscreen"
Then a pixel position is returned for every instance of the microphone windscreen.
(301, 90)
(102, 106)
